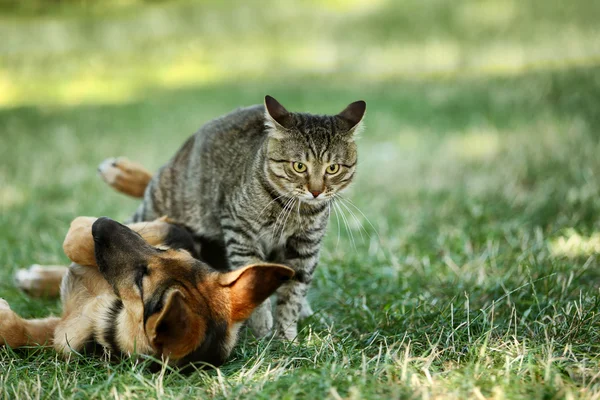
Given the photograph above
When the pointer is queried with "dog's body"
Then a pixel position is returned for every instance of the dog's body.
(123, 295)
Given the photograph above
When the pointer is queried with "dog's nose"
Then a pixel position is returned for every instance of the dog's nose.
(107, 230)
(102, 227)
(315, 193)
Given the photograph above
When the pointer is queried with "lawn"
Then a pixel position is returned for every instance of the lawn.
(472, 269)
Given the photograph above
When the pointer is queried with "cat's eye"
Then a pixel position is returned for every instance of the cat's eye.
(332, 169)
(299, 167)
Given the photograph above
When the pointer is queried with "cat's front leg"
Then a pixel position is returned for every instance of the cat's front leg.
(306, 310)
(292, 305)
(290, 298)
(242, 251)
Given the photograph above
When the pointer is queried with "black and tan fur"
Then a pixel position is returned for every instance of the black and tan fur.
(128, 293)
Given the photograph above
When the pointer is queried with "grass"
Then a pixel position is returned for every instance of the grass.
(479, 276)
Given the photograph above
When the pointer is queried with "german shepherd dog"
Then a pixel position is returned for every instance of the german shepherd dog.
(138, 289)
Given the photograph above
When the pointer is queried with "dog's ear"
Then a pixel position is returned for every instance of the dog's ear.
(251, 285)
(176, 330)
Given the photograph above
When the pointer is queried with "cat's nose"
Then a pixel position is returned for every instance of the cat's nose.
(315, 193)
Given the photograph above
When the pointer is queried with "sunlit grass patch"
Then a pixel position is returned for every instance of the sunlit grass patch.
(115, 57)
(573, 244)
(481, 144)
(10, 196)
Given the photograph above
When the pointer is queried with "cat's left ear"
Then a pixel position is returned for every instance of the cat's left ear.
(352, 115)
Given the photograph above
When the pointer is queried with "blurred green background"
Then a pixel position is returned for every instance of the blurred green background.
(478, 172)
(67, 53)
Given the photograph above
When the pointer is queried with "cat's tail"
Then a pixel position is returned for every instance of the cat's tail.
(125, 176)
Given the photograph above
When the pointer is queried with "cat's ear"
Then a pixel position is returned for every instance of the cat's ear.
(352, 115)
(275, 114)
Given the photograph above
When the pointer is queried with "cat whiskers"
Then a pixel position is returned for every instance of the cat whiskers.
(289, 212)
(340, 202)
(272, 201)
(281, 217)
(337, 217)
(299, 210)
(348, 229)
(383, 248)
(143, 230)
(266, 232)
(348, 201)
(343, 202)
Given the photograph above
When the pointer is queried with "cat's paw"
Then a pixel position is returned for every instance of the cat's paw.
(289, 334)
(261, 320)
(125, 176)
(261, 327)
(306, 310)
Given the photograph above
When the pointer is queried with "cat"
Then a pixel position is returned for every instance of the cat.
(258, 182)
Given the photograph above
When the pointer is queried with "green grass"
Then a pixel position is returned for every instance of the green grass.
(480, 274)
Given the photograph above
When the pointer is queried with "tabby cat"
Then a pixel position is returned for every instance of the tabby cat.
(259, 181)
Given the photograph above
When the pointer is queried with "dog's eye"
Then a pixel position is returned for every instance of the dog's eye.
(142, 271)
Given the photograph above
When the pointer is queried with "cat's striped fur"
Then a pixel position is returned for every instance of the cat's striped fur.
(259, 181)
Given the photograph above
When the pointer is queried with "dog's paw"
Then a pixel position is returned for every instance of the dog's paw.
(4, 306)
(11, 327)
(39, 281)
(125, 176)
(109, 170)
(28, 280)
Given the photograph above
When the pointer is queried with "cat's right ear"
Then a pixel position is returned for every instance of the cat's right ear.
(352, 116)
(276, 116)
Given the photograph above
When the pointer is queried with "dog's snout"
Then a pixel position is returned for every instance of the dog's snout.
(114, 240)
(105, 228)
(102, 228)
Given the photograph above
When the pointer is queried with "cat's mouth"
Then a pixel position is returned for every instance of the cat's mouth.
(309, 198)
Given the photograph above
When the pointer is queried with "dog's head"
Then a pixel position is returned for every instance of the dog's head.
(189, 311)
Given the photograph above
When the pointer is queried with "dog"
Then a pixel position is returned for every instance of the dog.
(139, 290)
